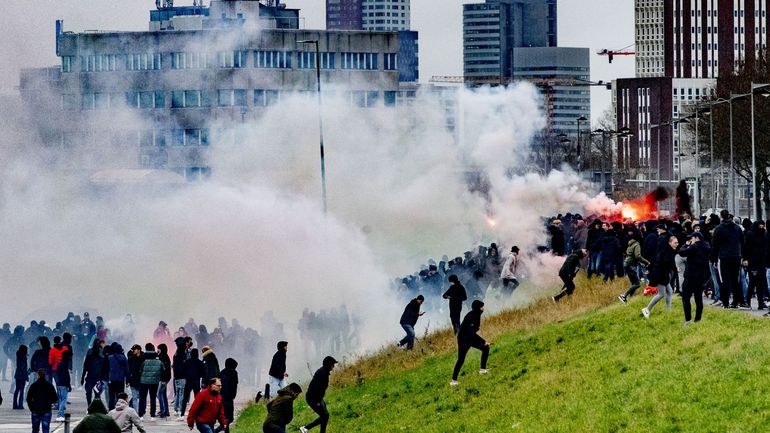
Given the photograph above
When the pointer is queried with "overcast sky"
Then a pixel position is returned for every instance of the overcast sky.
(28, 37)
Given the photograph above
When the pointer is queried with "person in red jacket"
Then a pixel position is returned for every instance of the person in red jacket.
(207, 408)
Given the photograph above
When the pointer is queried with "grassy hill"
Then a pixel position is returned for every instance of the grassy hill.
(588, 364)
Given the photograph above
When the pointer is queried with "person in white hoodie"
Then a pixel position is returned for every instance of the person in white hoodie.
(508, 274)
(124, 416)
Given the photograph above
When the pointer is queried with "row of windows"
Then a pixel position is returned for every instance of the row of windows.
(271, 59)
(202, 98)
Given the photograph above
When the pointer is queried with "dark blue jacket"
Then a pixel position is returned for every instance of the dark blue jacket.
(411, 313)
(118, 367)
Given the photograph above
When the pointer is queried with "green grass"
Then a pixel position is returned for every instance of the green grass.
(604, 369)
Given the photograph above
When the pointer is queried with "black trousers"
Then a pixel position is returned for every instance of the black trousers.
(454, 315)
(462, 351)
(693, 287)
(731, 281)
(115, 388)
(153, 391)
(319, 407)
(758, 285)
(568, 287)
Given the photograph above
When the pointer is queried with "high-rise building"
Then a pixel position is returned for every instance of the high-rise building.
(192, 79)
(385, 15)
(344, 15)
(494, 29)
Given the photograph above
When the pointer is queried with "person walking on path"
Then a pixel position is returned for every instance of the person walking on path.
(568, 272)
(207, 408)
(41, 395)
(661, 273)
(316, 391)
(277, 374)
(468, 337)
(118, 373)
(229, 378)
(94, 368)
(631, 262)
(280, 411)
(696, 272)
(409, 320)
(126, 417)
(456, 295)
(508, 273)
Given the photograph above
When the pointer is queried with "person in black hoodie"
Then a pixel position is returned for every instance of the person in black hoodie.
(727, 249)
(229, 379)
(193, 374)
(179, 367)
(277, 374)
(456, 295)
(20, 376)
(696, 251)
(754, 260)
(567, 273)
(94, 370)
(468, 337)
(135, 359)
(41, 395)
(409, 319)
(316, 391)
(165, 377)
(39, 359)
(210, 364)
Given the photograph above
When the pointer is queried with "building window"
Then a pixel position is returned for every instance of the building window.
(363, 61)
(265, 97)
(190, 137)
(147, 99)
(389, 97)
(190, 98)
(390, 61)
(69, 102)
(66, 63)
(272, 59)
(99, 63)
(231, 97)
(361, 98)
(185, 60)
(232, 59)
(305, 60)
(143, 62)
(99, 101)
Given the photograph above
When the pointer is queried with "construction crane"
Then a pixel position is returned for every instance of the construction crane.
(612, 53)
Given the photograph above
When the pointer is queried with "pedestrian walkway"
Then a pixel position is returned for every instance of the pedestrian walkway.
(18, 421)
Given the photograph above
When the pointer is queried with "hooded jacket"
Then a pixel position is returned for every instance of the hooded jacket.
(316, 390)
(727, 241)
(633, 255)
(194, 372)
(97, 420)
(278, 365)
(229, 378)
(755, 247)
(211, 366)
(411, 313)
(456, 295)
(469, 328)
(118, 366)
(280, 411)
(40, 396)
(94, 366)
(126, 417)
(697, 256)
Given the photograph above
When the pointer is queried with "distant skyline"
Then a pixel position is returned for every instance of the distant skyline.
(28, 39)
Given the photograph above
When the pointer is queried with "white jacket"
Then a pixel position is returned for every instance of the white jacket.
(509, 268)
(126, 417)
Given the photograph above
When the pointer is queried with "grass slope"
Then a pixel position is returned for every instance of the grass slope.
(585, 365)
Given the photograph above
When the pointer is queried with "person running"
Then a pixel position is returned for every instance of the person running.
(468, 337)
(276, 376)
(207, 408)
(508, 273)
(41, 395)
(696, 272)
(568, 272)
(408, 320)
(456, 295)
(316, 392)
(631, 262)
(280, 411)
(126, 417)
(94, 369)
(660, 275)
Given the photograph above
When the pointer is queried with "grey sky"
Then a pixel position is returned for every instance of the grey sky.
(28, 37)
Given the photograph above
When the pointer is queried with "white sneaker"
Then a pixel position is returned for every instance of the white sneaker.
(454, 383)
(483, 371)
(622, 298)
(646, 313)
(141, 418)
(59, 418)
(152, 418)
(303, 429)
(687, 322)
(181, 418)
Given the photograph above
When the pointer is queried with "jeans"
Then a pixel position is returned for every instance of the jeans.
(135, 393)
(513, 282)
(18, 394)
(594, 263)
(178, 394)
(663, 290)
(462, 350)
(188, 388)
(41, 419)
(319, 407)
(609, 270)
(62, 392)
(144, 390)
(275, 385)
(409, 339)
(714, 283)
(162, 399)
(205, 428)
(633, 276)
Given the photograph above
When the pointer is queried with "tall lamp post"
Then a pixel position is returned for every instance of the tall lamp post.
(320, 115)
(754, 202)
(580, 143)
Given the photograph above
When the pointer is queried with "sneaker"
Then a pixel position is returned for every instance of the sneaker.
(59, 418)
(553, 298)
(303, 429)
(732, 306)
(454, 383)
(181, 418)
(646, 313)
(744, 306)
(483, 371)
(152, 418)
(761, 307)
(141, 418)
(688, 322)
(622, 298)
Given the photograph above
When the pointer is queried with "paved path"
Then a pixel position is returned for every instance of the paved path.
(18, 421)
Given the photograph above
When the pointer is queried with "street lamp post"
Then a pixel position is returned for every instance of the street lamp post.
(320, 115)
(754, 202)
(579, 144)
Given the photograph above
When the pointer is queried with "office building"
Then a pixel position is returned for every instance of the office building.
(344, 15)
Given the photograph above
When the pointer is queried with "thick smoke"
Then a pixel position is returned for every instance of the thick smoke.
(683, 200)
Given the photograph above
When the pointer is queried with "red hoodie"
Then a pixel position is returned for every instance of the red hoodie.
(55, 356)
(207, 409)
